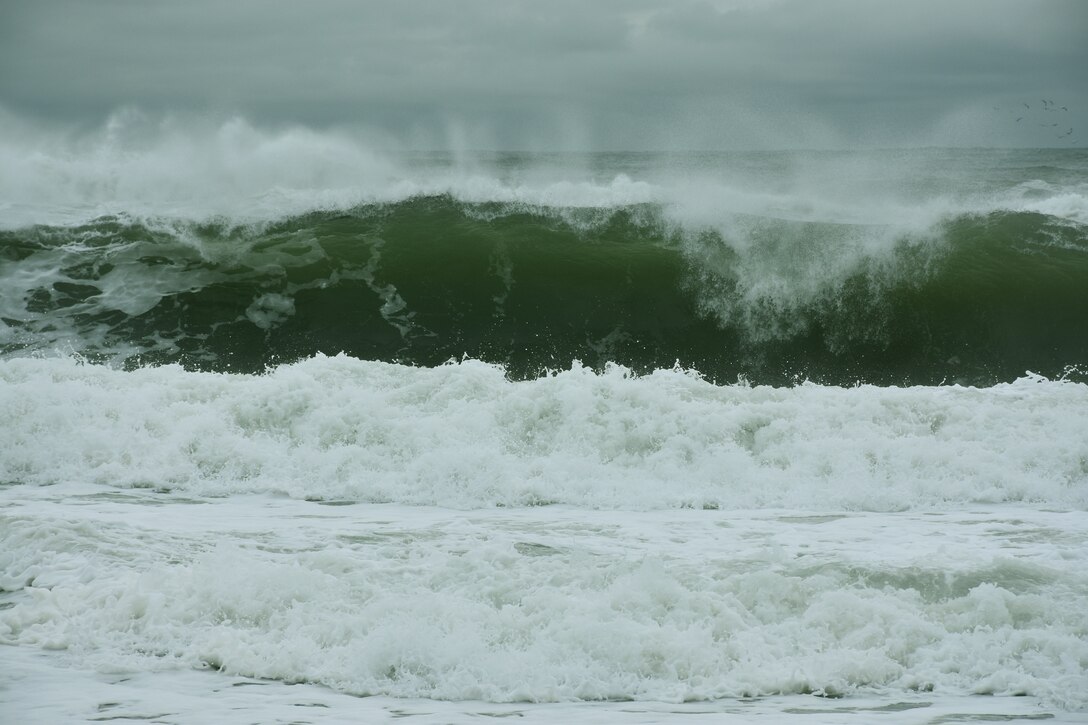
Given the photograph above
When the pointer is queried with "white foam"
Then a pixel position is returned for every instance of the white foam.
(44, 689)
(463, 435)
(706, 543)
(552, 604)
(269, 310)
(1065, 205)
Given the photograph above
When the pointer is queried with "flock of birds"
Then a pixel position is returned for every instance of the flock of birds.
(1048, 107)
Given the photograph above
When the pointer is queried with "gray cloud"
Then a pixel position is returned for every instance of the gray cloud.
(612, 73)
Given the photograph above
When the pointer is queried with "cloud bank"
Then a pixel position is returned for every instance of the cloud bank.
(562, 74)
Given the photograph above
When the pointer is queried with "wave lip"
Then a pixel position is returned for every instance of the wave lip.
(203, 171)
(199, 169)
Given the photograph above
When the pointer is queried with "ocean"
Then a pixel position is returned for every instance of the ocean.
(297, 430)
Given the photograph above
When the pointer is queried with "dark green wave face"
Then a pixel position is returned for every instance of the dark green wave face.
(977, 299)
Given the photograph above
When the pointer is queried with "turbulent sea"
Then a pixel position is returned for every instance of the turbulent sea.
(296, 431)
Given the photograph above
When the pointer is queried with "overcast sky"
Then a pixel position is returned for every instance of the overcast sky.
(567, 74)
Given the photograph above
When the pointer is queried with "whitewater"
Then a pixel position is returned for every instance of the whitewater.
(296, 428)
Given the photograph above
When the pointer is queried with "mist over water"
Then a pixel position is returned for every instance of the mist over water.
(198, 167)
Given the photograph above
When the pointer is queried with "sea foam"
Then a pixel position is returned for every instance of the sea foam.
(551, 604)
(463, 435)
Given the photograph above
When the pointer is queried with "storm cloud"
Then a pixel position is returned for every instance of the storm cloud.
(564, 74)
